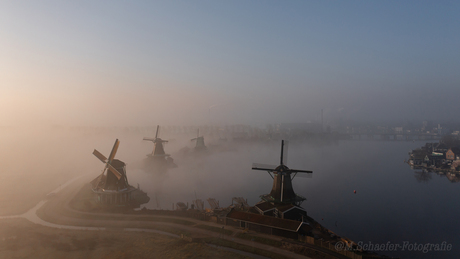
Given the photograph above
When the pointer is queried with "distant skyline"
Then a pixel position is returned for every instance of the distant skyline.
(208, 62)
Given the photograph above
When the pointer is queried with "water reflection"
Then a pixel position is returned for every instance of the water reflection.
(422, 176)
(425, 175)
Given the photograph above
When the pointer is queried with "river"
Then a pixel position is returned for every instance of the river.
(393, 205)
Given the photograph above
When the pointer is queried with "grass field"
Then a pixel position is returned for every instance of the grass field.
(22, 239)
(258, 239)
(220, 230)
(247, 248)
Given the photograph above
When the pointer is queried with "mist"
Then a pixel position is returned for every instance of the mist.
(37, 161)
(75, 76)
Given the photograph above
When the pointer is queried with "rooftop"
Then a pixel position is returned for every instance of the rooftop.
(285, 224)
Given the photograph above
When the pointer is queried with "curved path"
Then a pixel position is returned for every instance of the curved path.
(56, 208)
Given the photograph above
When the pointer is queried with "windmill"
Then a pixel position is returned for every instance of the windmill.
(160, 160)
(158, 149)
(199, 141)
(282, 191)
(111, 186)
(113, 176)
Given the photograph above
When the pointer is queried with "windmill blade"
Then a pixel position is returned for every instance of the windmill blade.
(149, 139)
(100, 156)
(114, 171)
(158, 129)
(301, 171)
(263, 167)
(285, 152)
(193, 139)
(114, 151)
(282, 147)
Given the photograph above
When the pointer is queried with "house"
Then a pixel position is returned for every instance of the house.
(426, 160)
(442, 147)
(267, 224)
(452, 153)
(290, 211)
(437, 159)
(417, 156)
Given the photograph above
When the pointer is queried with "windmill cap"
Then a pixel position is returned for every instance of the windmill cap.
(282, 168)
(118, 163)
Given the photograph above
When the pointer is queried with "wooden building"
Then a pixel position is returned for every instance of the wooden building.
(267, 224)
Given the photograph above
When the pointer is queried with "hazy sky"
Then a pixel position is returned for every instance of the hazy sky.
(196, 62)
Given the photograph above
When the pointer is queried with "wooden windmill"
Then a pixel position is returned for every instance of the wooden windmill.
(282, 191)
(111, 186)
(158, 149)
(199, 141)
(113, 176)
(158, 159)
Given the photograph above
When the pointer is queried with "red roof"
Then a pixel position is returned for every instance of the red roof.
(265, 206)
(288, 207)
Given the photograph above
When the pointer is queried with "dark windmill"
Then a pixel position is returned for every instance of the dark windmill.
(282, 197)
(111, 186)
(158, 149)
(199, 141)
(158, 154)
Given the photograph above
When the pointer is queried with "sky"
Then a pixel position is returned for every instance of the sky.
(142, 63)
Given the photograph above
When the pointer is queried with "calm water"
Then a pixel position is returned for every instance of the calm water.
(392, 203)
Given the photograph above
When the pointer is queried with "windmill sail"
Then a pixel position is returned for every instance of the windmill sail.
(263, 167)
(114, 150)
(115, 171)
(100, 156)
